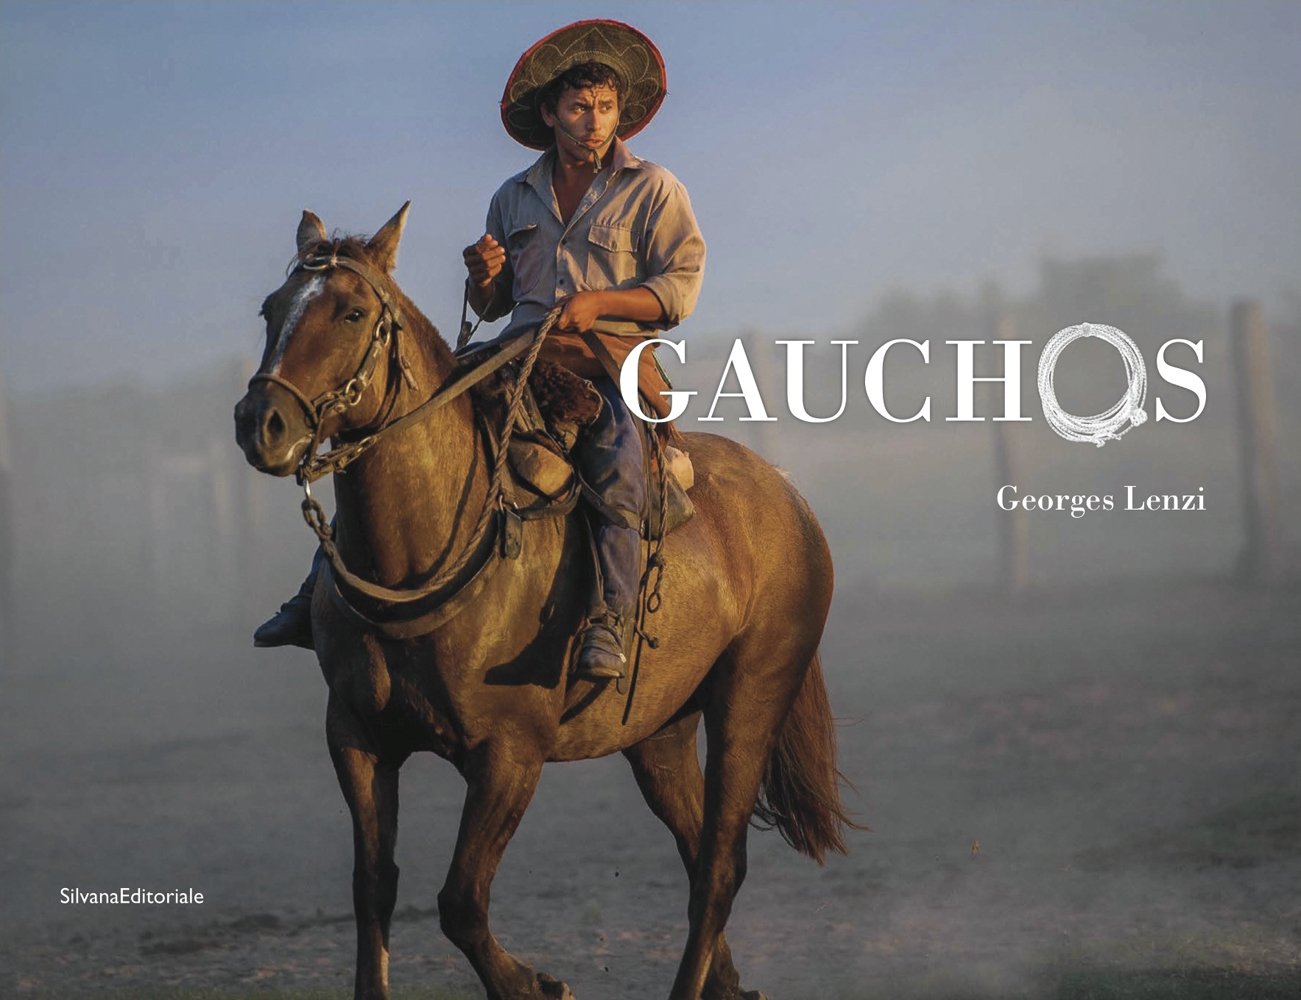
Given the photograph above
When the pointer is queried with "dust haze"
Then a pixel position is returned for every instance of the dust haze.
(1084, 789)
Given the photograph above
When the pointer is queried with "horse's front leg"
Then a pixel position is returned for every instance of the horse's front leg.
(500, 782)
(370, 785)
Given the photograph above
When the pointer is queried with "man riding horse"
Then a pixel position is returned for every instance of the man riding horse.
(604, 243)
(609, 237)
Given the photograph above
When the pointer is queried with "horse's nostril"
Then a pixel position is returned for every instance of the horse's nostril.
(274, 425)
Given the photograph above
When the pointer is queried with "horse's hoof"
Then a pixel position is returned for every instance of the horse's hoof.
(553, 989)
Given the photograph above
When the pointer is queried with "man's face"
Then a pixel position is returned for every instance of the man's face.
(589, 116)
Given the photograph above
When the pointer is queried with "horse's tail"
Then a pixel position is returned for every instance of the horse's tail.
(800, 794)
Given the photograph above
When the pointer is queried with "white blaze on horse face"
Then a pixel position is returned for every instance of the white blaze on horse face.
(296, 308)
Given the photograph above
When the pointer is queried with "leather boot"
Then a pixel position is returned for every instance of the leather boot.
(292, 624)
(603, 654)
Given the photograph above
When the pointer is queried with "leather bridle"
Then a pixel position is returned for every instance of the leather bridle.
(349, 393)
(480, 553)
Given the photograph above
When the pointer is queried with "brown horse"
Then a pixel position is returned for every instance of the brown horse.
(746, 587)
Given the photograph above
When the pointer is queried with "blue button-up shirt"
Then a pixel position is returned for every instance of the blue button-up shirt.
(634, 228)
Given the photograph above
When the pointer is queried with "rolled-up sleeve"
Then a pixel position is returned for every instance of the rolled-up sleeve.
(674, 254)
(502, 300)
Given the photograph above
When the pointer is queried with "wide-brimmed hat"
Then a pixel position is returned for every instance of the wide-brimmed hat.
(620, 46)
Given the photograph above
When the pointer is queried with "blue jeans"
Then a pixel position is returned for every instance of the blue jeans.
(610, 457)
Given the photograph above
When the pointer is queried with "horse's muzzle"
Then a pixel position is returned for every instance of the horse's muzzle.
(271, 429)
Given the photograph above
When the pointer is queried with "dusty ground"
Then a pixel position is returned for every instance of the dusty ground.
(1089, 795)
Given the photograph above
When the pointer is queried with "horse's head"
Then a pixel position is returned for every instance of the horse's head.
(331, 343)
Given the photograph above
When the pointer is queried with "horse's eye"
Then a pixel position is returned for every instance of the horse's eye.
(355, 316)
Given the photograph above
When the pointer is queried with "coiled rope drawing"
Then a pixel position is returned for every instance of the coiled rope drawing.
(1113, 423)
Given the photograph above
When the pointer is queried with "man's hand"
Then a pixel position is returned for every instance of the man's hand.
(580, 312)
(484, 260)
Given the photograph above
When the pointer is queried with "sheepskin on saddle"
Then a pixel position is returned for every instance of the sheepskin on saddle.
(557, 406)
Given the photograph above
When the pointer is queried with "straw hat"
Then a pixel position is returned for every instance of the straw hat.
(620, 46)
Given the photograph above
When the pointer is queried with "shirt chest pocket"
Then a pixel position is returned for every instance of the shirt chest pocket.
(524, 249)
(612, 259)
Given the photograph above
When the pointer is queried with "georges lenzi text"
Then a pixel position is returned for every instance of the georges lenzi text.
(1110, 425)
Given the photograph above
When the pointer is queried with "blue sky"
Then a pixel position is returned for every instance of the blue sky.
(156, 156)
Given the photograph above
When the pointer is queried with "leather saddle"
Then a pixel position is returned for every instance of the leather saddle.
(557, 405)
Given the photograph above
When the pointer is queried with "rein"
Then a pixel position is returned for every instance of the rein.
(349, 394)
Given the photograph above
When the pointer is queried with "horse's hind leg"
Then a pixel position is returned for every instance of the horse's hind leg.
(500, 782)
(370, 786)
(749, 694)
(668, 773)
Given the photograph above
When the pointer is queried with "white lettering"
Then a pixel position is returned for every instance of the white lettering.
(874, 381)
(738, 361)
(795, 380)
(628, 382)
(1183, 378)
(1011, 379)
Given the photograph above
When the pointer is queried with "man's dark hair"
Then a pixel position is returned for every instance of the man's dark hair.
(579, 77)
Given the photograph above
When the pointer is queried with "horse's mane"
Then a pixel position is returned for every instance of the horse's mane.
(355, 246)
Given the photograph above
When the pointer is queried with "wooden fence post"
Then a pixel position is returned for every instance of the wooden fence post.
(1258, 443)
(8, 536)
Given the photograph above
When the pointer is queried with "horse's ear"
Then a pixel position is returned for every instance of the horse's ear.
(384, 244)
(310, 230)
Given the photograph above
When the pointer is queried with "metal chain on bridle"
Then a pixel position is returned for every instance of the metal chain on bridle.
(337, 401)
(349, 395)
